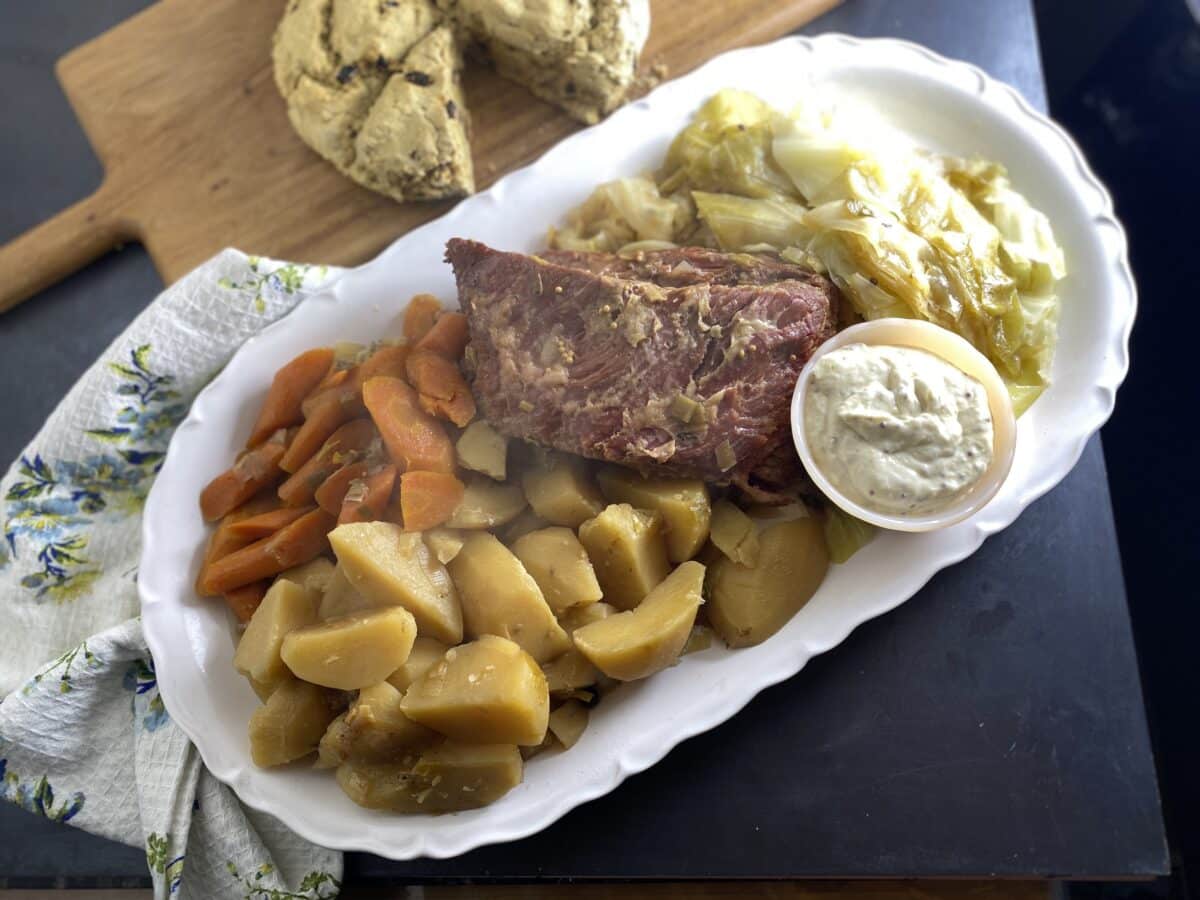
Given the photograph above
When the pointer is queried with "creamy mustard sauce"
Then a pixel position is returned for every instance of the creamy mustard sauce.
(897, 430)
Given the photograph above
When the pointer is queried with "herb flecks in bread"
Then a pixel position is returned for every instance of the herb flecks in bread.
(580, 55)
(373, 86)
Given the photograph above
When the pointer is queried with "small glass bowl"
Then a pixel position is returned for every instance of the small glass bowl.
(960, 354)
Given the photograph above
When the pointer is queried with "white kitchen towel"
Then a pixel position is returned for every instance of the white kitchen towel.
(84, 735)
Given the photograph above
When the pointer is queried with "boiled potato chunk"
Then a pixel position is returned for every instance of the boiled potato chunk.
(642, 641)
(500, 597)
(568, 722)
(286, 607)
(444, 543)
(628, 551)
(569, 672)
(735, 534)
(560, 566)
(558, 490)
(682, 503)
(526, 522)
(578, 616)
(313, 575)
(749, 604)
(486, 504)
(374, 729)
(445, 778)
(426, 653)
(483, 449)
(393, 567)
(489, 691)
(354, 651)
(290, 724)
(341, 597)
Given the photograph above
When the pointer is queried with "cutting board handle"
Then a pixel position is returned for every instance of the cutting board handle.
(60, 246)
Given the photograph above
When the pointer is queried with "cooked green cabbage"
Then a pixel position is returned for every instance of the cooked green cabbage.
(903, 232)
(844, 534)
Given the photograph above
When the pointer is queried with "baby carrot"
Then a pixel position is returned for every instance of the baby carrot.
(387, 360)
(260, 526)
(290, 386)
(333, 489)
(427, 499)
(438, 378)
(245, 600)
(348, 444)
(447, 337)
(301, 541)
(419, 316)
(414, 439)
(332, 409)
(368, 498)
(254, 470)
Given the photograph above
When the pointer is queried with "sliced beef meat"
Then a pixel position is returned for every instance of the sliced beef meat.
(687, 265)
(690, 380)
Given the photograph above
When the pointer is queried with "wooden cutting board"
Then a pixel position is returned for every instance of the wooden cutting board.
(180, 106)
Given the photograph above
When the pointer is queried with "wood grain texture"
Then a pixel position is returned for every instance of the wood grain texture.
(180, 106)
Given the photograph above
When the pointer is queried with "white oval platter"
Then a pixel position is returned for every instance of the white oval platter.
(941, 104)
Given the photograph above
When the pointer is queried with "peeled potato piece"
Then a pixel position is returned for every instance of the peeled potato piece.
(486, 504)
(578, 616)
(568, 673)
(444, 543)
(374, 729)
(314, 575)
(390, 566)
(560, 566)
(682, 503)
(568, 722)
(489, 691)
(642, 641)
(426, 653)
(483, 449)
(341, 598)
(354, 651)
(290, 724)
(559, 491)
(749, 604)
(735, 534)
(445, 778)
(526, 522)
(627, 549)
(500, 597)
(286, 607)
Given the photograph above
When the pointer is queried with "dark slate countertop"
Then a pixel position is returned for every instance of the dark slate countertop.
(993, 725)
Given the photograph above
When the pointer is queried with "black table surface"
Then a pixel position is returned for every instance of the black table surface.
(993, 725)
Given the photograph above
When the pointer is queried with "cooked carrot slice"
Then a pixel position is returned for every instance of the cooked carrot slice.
(447, 337)
(438, 378)
(389, 359)
(333, 489)
(348, 444)
(332, 380)
(419, 316)
(460, 410)
(368, 498)
(427, 499)
(255, 527)
(288, 389)
(333, 409)
(303, 540)
(245, 600)
(254, 470)
(414, 439)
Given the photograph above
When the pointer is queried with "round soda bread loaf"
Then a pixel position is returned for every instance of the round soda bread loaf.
(374, 86)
